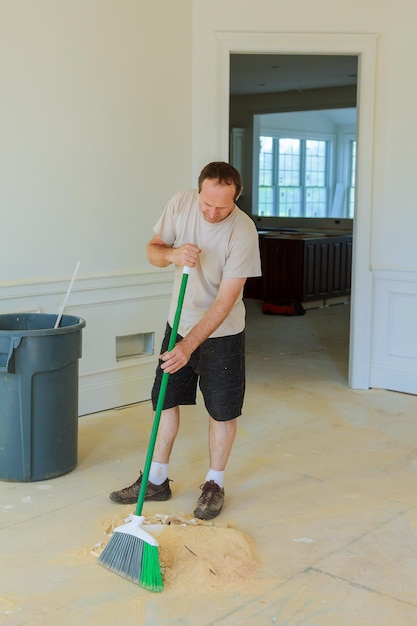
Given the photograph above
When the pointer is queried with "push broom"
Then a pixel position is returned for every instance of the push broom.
(131, 551)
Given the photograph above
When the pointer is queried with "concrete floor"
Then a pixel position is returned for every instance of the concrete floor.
(322, 479)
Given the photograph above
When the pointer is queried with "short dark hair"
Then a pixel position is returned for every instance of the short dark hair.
(225, 173)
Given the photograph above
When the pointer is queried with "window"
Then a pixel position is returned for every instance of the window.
(288, 175)
(266, 198)
(316, 178)
(351, 176)
(293, 177)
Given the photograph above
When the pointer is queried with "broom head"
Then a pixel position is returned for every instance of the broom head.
(133, 554)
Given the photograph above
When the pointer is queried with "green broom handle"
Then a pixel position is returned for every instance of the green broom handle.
(161, 396)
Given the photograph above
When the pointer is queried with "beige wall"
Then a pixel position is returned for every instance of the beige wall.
(95, 126)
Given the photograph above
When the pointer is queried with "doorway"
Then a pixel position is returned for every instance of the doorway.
(364, 46)
(299, 161)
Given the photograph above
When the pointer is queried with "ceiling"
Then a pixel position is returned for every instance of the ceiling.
(269, 73)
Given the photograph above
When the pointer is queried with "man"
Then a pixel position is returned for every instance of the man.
(207, 232)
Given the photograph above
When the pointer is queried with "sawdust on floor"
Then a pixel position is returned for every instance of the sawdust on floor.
(196, 556)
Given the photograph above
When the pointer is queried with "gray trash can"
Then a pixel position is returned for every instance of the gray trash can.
(38, 395)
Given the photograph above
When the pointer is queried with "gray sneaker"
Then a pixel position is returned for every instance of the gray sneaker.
(129, 495)
(210, 503)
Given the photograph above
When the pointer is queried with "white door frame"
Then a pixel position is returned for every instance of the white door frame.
(364, 46)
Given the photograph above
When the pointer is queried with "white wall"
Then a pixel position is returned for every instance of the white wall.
(107, 108)
(95, 105)
(384, 238)
(95, 127)
(395, 221)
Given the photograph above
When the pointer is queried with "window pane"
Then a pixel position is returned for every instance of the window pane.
(316, 160)
(265, 161)
(289, 173)
(351, 197)
(315, 178)
(352, 162)
(316, 202)
(289, 162)
(266, 177)
(266, 201)
(289, 202)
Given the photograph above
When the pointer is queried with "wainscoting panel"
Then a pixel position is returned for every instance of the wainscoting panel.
(112, 306)
(394, 338)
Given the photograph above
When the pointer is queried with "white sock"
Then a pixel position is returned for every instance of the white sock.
(218, 477)
(158, 473)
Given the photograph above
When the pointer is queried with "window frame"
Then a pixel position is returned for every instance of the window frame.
(303, 136)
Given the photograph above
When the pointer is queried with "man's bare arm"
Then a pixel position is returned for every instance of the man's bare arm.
(229, 292)
(162, 255)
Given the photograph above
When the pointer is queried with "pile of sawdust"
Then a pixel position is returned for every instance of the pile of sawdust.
(203, 558)
(196, 556)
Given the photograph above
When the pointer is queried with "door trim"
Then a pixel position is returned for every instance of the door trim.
(363, 45)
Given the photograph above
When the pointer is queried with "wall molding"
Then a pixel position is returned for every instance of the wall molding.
(49, 288)
(112, 305)
(394, 340)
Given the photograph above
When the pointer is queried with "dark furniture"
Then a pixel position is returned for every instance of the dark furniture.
(303, 266)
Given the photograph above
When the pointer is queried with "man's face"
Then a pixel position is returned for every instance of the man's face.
(216, 201)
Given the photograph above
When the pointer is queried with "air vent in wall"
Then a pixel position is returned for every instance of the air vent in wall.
(134, 346)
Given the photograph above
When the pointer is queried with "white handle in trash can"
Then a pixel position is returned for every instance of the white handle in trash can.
(62, 307)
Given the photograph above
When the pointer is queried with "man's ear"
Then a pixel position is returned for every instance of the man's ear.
(239, 194)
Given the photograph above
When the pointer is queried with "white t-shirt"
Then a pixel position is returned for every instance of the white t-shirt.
(229, 249)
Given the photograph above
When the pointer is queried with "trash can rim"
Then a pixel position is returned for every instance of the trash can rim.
(78, 324)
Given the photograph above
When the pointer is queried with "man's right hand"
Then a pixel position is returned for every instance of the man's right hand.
(186, 255)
